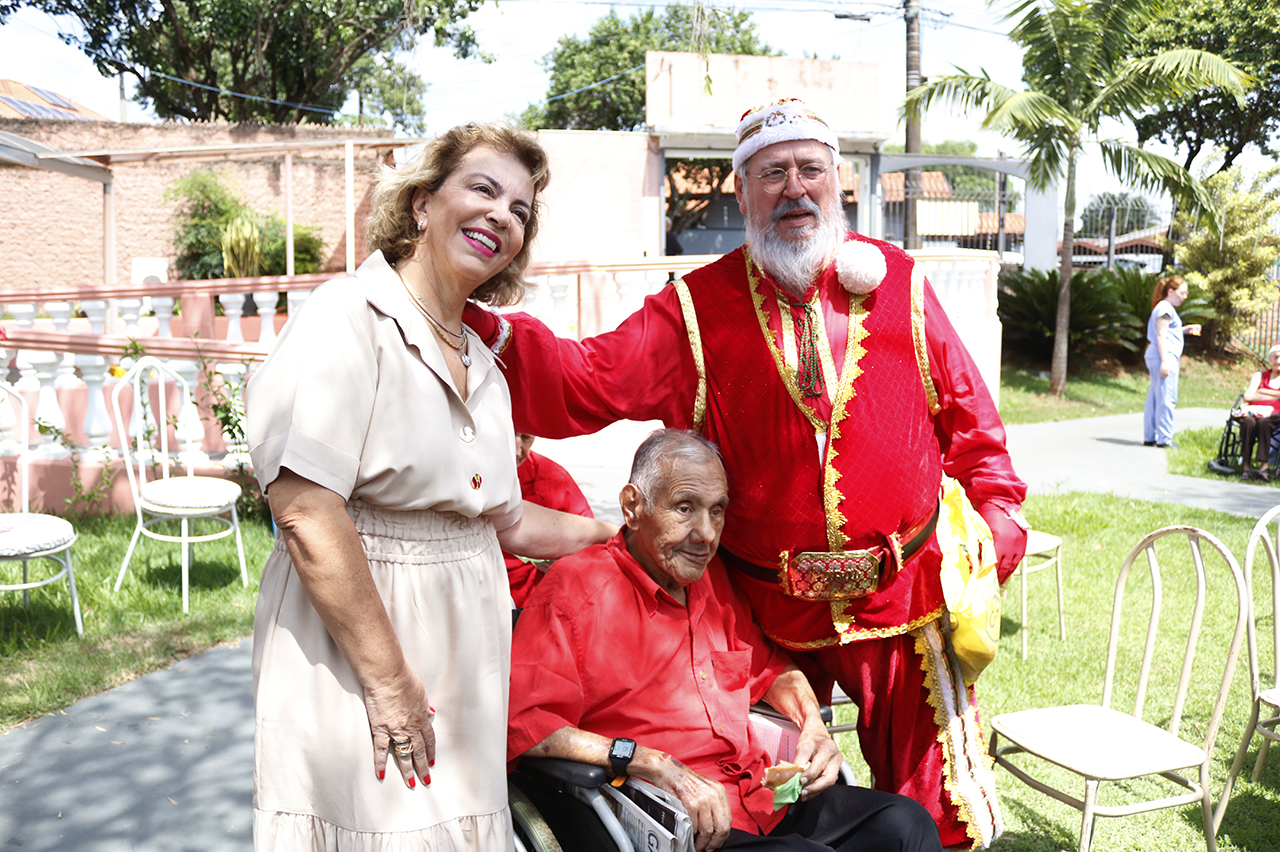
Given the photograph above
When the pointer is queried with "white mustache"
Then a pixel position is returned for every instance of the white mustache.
(793, 205)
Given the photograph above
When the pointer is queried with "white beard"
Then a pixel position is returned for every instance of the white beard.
(791, 264)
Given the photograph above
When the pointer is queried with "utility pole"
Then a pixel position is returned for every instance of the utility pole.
(911, 177)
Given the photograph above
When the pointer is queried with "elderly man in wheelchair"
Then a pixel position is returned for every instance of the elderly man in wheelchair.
(639, 657)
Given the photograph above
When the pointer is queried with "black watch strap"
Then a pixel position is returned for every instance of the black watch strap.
(620, 753)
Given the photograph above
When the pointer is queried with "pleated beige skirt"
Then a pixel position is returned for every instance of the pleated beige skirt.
(442, 578)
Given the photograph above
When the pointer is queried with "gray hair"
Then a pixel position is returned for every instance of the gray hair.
(667, 445)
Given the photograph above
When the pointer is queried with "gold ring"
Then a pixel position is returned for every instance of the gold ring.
(404, 749)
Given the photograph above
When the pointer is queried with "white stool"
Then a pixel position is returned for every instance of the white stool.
(1046, 549)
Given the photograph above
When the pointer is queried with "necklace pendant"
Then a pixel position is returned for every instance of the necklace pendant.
(466, 359)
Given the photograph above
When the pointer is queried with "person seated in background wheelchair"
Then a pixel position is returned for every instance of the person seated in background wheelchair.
(1261, 417)
(640, 656)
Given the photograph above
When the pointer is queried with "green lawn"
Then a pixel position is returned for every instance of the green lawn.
(1098, 531)
(44, 666)
(1025, 397)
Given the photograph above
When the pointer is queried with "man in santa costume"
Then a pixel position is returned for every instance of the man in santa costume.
(823, 365)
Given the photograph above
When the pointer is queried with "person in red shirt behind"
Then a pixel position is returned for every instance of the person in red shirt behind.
(643, 646)
(546, 483)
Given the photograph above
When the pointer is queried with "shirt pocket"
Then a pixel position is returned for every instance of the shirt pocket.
(732, 669)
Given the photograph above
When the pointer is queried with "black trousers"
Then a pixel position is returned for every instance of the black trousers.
(847, 819)
(1257, 429)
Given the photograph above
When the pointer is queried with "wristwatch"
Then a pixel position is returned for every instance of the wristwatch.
(620, 754)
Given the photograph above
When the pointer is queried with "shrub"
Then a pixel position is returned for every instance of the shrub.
(206, 207)
(1134, 288)
(1029, 305)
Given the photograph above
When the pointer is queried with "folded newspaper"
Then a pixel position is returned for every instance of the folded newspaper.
(653, 819)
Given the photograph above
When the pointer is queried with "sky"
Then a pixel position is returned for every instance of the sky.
(964, 34)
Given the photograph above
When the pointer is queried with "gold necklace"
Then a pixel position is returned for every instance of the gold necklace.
(446, 334)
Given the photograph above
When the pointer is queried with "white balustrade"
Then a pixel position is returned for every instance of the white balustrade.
(93, 369)
(130, 310)
(189, 429)
(558, 285)
(9, 443)
(631, 291)
(296, 299)
(266, 302)
(233, 309)
(163, 307)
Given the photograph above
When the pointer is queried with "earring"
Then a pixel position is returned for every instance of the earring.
(422, 225)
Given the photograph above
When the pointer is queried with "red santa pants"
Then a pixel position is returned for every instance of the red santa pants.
(914, 738)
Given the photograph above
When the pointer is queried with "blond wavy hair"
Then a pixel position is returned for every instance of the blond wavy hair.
(393, 229)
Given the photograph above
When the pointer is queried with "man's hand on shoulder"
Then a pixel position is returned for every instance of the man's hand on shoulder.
(704, 799)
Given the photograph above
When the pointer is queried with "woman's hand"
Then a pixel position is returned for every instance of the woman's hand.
(399, 712)
(329, 559)
(1165, 369)
(1193, 329)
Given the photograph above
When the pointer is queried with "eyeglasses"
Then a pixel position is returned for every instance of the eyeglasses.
(810, 174)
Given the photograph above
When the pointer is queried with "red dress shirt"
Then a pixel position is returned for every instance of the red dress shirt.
(545, 483)
(602, 648)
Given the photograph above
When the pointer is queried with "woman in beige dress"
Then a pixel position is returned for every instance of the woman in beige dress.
(380, 429)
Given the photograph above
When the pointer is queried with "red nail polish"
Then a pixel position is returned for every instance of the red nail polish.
(412, 783)
(430, 709)
(431, 762)
(426, 779)
(382, 774)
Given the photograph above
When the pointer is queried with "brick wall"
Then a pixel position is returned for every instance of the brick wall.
(51, 228)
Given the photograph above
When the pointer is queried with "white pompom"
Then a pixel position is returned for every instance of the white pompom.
(861, 266)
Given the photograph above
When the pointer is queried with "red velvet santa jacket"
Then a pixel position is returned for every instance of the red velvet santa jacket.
(901, 402)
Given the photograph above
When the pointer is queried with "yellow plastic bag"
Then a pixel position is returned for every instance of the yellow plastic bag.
(969, 582)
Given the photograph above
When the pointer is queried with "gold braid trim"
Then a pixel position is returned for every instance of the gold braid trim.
(785, 371)
(853, 352)
(854, 635)
(695, 345)
(973, 758)
(918, 337)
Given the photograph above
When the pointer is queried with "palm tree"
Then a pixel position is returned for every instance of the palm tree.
(1079, 70)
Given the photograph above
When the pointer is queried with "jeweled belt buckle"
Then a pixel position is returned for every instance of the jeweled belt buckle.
(831, 576)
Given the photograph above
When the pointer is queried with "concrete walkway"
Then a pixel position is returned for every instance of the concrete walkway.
(166, 762)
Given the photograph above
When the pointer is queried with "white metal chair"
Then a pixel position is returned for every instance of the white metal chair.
(25, 535)
(1046, 551)
(159, 498)
(1104, 744)
(1265, 537)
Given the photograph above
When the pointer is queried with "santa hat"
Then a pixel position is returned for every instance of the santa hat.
(783, 121)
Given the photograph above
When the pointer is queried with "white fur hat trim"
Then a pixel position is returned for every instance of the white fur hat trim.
(860, 266)
(783, 121)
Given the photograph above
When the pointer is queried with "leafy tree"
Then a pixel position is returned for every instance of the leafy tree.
(384, 85)
(1133, 213)
(292, 51)
(614, 47)
(611, 49)
(1079, 67)
(1231, 265)
(206, 207)
(1242, 31)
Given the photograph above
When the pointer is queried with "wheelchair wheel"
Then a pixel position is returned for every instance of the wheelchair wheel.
(531, 830)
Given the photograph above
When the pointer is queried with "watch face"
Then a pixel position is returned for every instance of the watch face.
(623, 749)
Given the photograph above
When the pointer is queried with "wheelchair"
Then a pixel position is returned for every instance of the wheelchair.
(1228, 462)
(560, 805)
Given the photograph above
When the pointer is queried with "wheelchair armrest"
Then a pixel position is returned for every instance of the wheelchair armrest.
(566, 771)
(765, 709)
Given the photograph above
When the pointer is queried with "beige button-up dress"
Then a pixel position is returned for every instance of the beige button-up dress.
(356, 397)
